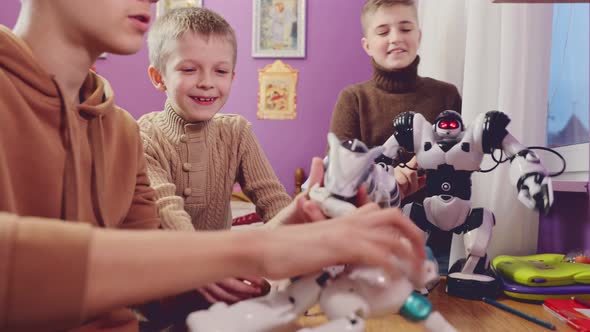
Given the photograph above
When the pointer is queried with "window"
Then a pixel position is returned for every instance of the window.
(568, 110)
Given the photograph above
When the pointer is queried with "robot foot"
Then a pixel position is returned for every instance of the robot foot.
(472, 286)
(349, 324)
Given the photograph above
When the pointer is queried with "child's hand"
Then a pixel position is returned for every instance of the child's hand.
(302, 210)
(232, 290)
(408, 180)
(368, 236)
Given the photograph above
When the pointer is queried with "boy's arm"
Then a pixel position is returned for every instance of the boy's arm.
(345, 118)
(258, 179)
(142, 213)
(43, 271)
(170, 207)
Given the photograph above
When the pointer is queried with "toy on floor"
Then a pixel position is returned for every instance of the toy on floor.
(449, 152)
(578, 256)
(543, 276)
(347, 296)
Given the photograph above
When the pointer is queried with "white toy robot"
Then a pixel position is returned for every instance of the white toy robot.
(449, 153)
(347, 297)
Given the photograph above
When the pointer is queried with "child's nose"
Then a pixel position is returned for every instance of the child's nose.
(394, 38)
(205, 81)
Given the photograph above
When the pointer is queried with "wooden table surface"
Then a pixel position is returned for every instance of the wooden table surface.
(465, 315)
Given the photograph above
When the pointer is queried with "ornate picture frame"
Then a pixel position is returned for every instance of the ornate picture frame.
(164, 6)
(277, 94)
(278, 29)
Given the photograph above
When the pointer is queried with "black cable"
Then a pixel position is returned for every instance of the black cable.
(501, 161)
(555, 153)
(404, 165)
(498, 162)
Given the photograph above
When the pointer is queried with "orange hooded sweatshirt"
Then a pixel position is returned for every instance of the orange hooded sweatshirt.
(79, 163)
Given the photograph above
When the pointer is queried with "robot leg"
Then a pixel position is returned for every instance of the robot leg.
(472, 278)
(264, 314)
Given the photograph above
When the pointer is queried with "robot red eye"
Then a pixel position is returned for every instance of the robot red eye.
(453, 125)
(443, 124)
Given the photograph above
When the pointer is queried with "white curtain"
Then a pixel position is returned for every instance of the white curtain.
(498, 57)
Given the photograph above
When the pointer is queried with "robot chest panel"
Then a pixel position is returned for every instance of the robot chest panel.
(460, 155)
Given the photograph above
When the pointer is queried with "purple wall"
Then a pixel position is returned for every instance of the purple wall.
(567, 226)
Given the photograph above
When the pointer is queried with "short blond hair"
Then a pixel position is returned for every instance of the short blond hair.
(178, 21)
(371, 7)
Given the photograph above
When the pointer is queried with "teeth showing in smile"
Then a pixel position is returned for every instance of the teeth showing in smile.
(204, 99)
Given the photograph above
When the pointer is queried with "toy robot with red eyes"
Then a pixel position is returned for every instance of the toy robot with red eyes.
(449, 153)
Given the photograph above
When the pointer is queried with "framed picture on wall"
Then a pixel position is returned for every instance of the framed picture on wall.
(278, 29)
(277, 92)
(166, 5)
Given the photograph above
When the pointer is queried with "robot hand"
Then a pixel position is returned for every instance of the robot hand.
(534, 186)
(535, 191)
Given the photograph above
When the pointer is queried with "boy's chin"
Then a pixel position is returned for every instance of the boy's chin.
(395, 64)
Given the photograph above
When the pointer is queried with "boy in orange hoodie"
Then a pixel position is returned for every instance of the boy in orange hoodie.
(68, 153)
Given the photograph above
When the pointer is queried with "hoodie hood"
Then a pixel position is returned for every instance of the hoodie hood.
(17, 59)
(43, 92)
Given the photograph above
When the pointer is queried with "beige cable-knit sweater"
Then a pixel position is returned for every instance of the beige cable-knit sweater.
(193, 167)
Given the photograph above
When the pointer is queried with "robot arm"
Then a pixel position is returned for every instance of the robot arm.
(403, 134)
(534, 186)
(531, 178)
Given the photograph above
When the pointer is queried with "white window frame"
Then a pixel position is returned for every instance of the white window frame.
(575, 177)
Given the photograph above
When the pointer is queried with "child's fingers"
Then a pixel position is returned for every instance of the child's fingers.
(210, 298)
(234, 285)
(362, 195)
(312, 211)
(316, 171)
(392, 217)
(221, 294)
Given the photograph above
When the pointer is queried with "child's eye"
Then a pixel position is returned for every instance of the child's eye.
(406, 30)
(187, 70)
(222, 72)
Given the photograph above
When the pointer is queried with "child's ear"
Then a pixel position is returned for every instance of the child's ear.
(365, 44)
(156, 78)
(233, 75)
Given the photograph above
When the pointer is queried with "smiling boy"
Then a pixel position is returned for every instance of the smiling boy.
(194, 154)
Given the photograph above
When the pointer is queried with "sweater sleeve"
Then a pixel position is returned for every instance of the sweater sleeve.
(257, 178)
(142, 213)
(345, 118)
(170, 206)
(43, 272)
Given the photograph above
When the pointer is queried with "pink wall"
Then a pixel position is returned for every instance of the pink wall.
(334, 60)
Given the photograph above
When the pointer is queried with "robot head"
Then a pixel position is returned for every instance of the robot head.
(448, 125)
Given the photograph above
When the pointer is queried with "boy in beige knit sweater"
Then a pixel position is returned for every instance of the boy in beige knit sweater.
(194, 155)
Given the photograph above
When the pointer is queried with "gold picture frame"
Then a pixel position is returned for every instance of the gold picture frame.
(165, 5)
(277, 94)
